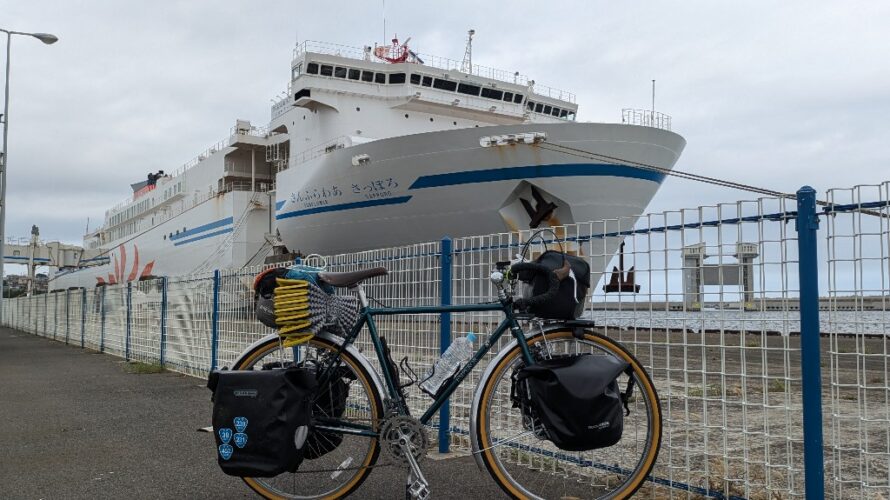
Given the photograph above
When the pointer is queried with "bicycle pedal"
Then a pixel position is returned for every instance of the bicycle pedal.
(418, 490)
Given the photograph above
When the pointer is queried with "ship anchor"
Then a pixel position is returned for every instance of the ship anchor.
(541, 211)
(618, 282)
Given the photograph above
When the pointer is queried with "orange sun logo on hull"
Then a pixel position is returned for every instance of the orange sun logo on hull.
(120, 268)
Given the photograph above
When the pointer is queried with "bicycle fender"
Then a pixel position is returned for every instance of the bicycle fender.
(351, 349)
(573, 325)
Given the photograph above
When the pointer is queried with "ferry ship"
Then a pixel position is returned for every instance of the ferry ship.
(378, 147)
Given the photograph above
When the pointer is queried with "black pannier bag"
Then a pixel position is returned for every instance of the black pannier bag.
(330, 401)
(569, 300)
(261, 419)
(575, 399)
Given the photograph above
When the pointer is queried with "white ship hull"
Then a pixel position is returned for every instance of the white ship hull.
(426, 186)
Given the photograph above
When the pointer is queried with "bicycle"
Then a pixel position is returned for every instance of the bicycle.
(377, 417)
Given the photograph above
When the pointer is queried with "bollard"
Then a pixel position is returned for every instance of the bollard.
(811, 376)
(445, 339)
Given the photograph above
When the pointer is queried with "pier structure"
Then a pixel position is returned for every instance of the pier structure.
(697, 274)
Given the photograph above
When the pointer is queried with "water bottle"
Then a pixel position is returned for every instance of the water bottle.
(446, 366)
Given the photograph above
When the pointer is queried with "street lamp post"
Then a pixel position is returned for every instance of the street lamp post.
(47, 39)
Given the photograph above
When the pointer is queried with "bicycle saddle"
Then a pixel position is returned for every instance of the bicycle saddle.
(351, 278)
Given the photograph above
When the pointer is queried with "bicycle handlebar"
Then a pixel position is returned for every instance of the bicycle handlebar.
(545, 297)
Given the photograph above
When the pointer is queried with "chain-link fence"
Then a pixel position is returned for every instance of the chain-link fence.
(712, 300)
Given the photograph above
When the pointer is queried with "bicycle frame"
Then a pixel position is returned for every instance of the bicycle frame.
(366, 317)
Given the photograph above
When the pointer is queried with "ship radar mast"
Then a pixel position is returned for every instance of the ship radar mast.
(466, 66)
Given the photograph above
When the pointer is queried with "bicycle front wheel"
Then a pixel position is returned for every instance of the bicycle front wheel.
(526, 466)
(340, 462)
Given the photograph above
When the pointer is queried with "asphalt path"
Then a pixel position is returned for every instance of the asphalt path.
(75, 424)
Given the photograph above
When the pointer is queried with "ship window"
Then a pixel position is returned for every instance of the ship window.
(547, 110)
(517, 98)
(415, 79)
(555, 112)
(339, 72)
(397, 78)
(563, 113)
(492, 93)
(572, 116)
(508, 96)
(468, 89)
(444, 85)
(539, 107)
(327, 70)
(354, 74)
(530, 105)
(295, 72)
(312, 68)
(367, 76)
(379, 77)
(427, 81)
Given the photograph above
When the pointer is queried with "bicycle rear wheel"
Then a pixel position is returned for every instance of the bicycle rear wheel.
(342, 466)
(526, 466)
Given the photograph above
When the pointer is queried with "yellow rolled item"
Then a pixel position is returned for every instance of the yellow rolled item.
(293, 327)
(296, 340)
(284, 282)
(286, 290)
(292, 310)
(290, 301)
(287, 320)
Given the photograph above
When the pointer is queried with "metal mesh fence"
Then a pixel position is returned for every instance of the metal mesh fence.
(708, 299)
(857, 393)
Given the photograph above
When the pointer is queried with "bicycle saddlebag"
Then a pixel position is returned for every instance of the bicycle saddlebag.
(569, 301)
(575, 399)
(261, 419)
(329, 402)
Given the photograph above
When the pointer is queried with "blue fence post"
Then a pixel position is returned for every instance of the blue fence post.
(67, 315)
(445, 339)
(811, 372)
(83, 315)
(214, 322)
(163, 318)
(129, 317)
(102, 320)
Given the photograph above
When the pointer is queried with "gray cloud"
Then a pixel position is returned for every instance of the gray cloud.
(776, 95)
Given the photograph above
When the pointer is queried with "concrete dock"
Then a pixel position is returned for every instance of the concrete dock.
(77, 424)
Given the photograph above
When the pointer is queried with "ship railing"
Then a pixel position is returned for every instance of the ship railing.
(645, 118)
(343, 141)
(256, 131)
(257, 186)
(439, 62)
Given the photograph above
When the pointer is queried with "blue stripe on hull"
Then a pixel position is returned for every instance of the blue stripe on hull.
(536, 172)
(208, 235)
(201, 229)
(344, 206)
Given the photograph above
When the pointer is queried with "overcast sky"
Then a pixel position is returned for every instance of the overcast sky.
(776, 94)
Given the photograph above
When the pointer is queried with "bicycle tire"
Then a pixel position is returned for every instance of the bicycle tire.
(262, 486)
(492, 448)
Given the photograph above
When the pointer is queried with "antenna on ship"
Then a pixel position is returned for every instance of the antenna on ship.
(466, 66)
(652, 116)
